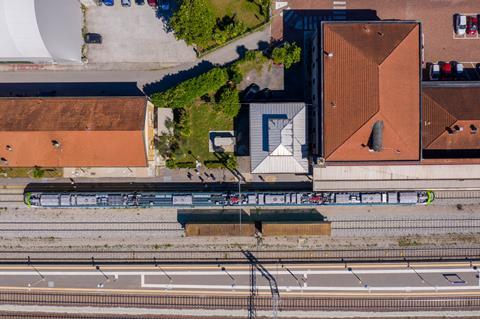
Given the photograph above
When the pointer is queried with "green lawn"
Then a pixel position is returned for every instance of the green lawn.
(201, 119)
(246, 11)
(29, 172)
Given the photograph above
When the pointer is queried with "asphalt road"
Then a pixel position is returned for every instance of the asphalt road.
(425, 279)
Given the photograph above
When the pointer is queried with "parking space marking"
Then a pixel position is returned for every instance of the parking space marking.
(339, 4)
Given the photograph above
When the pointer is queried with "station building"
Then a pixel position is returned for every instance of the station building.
(91, 136)
(375, 125)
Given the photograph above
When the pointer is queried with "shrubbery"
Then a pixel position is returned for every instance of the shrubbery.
(186, 92)
(194, 22)
(288, 54)
(228, 101)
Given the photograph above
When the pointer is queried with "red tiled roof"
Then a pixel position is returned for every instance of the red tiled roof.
(372, 76)
(88, 132)
(446, 108)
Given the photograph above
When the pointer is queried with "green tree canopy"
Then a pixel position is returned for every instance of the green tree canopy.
(288, 54)
(194, 22)
(186, 92)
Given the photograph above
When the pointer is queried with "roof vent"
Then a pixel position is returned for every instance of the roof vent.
(366, 29)
(56, 143)
(380, 33)
(458, 128)
(375, 143)
(332, 104)
(3, 161)
(328, 54)
(473, 129)
(451, 131)
(9, 148)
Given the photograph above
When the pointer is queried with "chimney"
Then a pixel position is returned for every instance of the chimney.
(3, 161)
(473, 129)
(9, 148)
(376, 137)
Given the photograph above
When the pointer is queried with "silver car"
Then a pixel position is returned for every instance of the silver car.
(460, 24)
(126, 3)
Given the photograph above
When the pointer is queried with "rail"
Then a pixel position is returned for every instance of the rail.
(236, 256)
(388, 224)
(241, 302)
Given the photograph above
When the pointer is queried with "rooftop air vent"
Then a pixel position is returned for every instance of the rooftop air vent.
(9, 148)
(473, 129)
(55, 143)
(3, 161)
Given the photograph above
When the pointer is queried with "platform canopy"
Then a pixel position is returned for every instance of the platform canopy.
(41, 31)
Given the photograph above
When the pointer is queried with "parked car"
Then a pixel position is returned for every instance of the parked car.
(460, 24)
(152, 3)
(445, 71)
(433, 71)
(472, 24)
(93, 38)
(126, 3)
(108, 2)
(165, 4)
(458, 71)
(140, 2)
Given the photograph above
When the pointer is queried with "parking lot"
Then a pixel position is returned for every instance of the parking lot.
(436, 17)
(133, 35)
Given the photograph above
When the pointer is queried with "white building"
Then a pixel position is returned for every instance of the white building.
(41, 31)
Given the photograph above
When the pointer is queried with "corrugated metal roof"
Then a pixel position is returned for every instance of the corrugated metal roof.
(278, 138)
(372, 74)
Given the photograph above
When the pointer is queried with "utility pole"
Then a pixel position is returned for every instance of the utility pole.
(255, 265)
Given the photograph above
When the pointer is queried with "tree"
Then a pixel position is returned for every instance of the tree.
(229, 101)
(186, 92)
(288, 54)
(194, 22)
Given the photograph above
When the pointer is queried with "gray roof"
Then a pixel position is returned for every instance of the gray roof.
(278, 138)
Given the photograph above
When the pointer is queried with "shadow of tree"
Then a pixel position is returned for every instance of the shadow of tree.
(171, 80)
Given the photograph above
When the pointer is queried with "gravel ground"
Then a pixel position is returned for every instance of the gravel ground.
(28, 228)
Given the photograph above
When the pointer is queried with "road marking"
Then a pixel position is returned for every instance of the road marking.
(269, 267)
(314, 288)
(280, 4)
(337, 4)
(218, 272)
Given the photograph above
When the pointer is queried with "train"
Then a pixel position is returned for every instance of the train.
(223, 199)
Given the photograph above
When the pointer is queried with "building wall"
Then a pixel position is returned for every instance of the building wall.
(316, 96)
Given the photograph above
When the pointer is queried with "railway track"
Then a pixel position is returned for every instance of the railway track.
(234, 302)
(236, 256)
(457, 194)
(90, 226)
(388, 224)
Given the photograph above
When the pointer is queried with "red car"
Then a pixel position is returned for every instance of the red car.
(152, 3)
(472, 23)
(445, 71)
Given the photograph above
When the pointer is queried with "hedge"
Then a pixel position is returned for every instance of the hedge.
(186, 92)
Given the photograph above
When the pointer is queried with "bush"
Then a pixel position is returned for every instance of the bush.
(288, 54)
(229, 101)
(38, 172)
(194, 22)
(229, 30)
(170, 163)
(250, 55)
(186, 92)
(235, 75)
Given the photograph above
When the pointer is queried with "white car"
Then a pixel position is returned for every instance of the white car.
(460, 24)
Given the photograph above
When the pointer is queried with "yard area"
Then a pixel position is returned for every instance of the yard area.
(201, 118)
(18, 172)
(245, 11)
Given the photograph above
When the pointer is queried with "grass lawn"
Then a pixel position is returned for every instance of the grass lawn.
(246, 11)
(202, 119)
(28, 172)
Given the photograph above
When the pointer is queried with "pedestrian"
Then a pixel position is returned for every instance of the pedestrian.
(189, 175)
